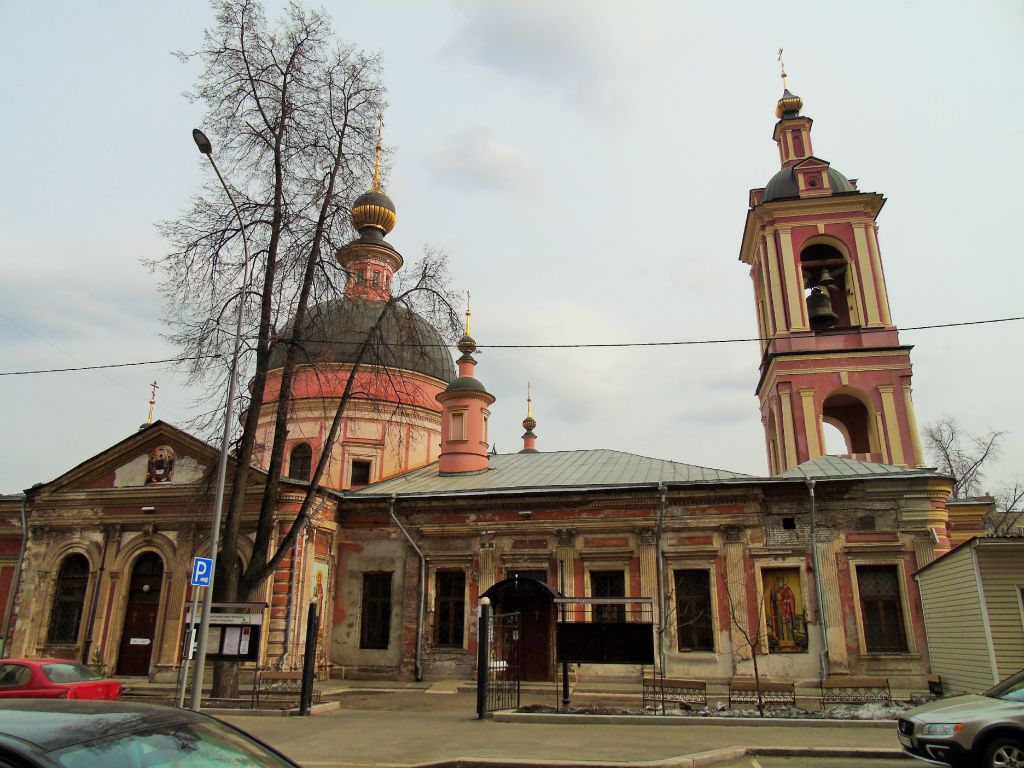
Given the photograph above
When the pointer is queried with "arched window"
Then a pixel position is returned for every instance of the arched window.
(826, 274)
(69, 600)
(300, 462)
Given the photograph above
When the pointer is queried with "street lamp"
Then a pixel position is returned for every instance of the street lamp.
(206, 148)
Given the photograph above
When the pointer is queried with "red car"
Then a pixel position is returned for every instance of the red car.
(53, 679)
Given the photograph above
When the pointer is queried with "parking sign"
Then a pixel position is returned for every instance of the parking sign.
(202, 568)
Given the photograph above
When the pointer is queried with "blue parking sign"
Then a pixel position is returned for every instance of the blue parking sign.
(202, 569)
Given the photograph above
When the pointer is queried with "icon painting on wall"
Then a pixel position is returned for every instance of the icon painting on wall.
(785, 614)
(161, 465)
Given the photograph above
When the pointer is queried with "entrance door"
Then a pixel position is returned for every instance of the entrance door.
(535, 647)
(139, 632)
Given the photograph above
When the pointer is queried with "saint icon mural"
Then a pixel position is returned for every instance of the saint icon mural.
(161, 465)
(785, 616)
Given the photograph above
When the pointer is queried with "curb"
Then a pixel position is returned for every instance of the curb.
(746, 722)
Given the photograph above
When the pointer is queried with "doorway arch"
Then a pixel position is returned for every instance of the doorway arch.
(535, 602)
(138, 634)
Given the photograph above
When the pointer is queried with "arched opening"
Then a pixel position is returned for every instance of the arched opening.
(139, 632)
(835, 440)
(828, 291)
(300, 462)
(775, 465)
(850, 418)
(534, 601)
(68, 600)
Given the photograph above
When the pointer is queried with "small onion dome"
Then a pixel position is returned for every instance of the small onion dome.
(789, 105)
(529, 423)
(466, 384)
(374, 209)
(467, 344)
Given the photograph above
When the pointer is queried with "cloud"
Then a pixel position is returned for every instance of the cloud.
(564, 48)
(473, 161)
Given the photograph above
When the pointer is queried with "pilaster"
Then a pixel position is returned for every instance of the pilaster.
(915, 435)
(794, 285)
(788, 426)
(867, 278)
(876, 266)
(810, 423)
(831, 598)
(775, 282)
(892, 425)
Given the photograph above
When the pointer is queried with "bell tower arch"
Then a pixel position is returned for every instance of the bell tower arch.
(830, 352)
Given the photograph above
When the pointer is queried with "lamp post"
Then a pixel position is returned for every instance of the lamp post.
(206, 148)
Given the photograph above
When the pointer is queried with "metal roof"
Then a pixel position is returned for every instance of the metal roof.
(551, 471)
(825, 467)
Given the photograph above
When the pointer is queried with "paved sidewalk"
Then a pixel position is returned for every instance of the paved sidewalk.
(410, 727)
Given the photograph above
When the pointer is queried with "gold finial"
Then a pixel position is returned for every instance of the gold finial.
(529, 401)
(468, 313)
(376, 158)
(152, 401)
(782, 62)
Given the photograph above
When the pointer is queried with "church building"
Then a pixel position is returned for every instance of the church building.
(419, 519)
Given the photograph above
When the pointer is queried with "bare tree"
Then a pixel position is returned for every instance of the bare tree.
(293, 115)
(740, 617)
(961, 455)
(1007, 513)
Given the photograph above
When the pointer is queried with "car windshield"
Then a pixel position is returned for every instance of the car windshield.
(1011, 689)
(67, 672)
(177, 745)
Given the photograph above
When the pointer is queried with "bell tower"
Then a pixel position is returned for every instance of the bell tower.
(830, 352)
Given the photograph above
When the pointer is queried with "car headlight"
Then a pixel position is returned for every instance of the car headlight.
(942, 729)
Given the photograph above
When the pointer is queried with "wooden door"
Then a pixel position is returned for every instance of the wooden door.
(535, 646)
(139, 633)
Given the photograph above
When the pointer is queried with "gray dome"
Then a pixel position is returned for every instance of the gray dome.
(335, 329)
(783, 185)
(466, 384)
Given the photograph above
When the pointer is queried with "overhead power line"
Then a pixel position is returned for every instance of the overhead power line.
(595, 345)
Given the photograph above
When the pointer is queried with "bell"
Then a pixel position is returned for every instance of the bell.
(825, 280)
(819, 309)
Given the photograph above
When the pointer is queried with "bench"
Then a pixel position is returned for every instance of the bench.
(745, 692)
(275, 683)
(661, 690)
(855, 690)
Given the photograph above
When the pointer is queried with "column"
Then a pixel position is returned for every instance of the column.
(876, 267)
(487, 562)
(892, 425)
(810, 423)
(915, 435)
(775, 283)
(788, 427)
(794, 283)
(883, 438)
(867, 278)
(831, 598)
(565, 554)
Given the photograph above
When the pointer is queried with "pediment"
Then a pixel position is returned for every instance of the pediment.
(159, 456)
(811, 163)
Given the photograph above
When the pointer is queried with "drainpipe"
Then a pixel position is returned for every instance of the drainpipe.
(661, 576)
(817, 584)
(15, 580)
(87, 645)
(423, 588)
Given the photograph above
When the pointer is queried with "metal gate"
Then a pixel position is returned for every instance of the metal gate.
(504, 660)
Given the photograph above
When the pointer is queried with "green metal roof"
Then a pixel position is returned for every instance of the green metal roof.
(519, 472)
(825, 467)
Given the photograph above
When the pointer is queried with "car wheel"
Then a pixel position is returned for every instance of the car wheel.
(1005, 753)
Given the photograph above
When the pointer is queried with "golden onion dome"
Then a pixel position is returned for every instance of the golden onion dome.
(789, 105)
(529, 423)
(374, 209)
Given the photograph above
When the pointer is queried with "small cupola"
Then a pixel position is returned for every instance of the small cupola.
(464, 415)
(529, 424)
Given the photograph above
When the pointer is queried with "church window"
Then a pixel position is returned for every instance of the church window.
(449, 607)
(458, 431)
(375, 619)
(69, 600)
(608, 584)
(693, 610)
(300, 462)
(360, 472)
(881, 609)
(789, 523)
(376, 278)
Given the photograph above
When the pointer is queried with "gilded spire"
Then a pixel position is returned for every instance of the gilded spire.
(529, 423)
(152, 401)
(467, 344)
(790, 104)
(380, 147)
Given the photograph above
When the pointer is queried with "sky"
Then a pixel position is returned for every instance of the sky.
(585, 164)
